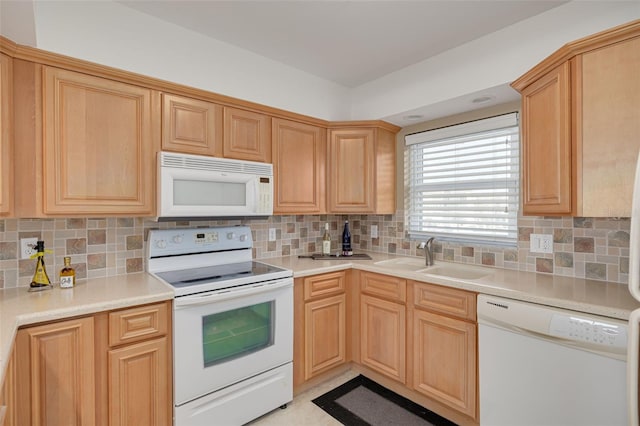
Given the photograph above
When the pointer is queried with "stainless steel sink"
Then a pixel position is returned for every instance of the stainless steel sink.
(403, 264)
(457, 270)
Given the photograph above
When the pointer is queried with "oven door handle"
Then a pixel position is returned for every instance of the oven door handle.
(227, 294)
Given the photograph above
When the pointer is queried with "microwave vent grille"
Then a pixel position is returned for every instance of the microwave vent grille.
(215, 164)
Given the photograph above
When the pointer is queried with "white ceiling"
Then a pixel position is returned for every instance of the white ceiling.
(347, 42)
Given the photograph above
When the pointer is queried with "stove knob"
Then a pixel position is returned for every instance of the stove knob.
(243, 237)
(161, 244)
(177, 239)
(230, 235)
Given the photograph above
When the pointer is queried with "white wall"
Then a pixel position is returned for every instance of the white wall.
(16, 22)
(108, 33)
(493, 60)
(111, 34)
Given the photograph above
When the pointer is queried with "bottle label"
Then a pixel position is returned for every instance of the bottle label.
(326, 247)
(66, 282)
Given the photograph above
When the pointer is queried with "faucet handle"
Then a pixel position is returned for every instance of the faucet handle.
(422, 245)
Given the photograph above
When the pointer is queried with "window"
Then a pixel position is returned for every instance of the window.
(463, 182)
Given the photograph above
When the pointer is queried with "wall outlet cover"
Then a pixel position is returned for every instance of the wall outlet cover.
(374, 231)
(28, 247)
(541, 243)
(272, 234)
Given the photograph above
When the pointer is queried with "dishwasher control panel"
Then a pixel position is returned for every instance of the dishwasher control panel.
(588, 330)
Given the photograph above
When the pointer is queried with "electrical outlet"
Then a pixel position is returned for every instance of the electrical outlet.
(27, 247)
(374, 231)
(541, 243)
(272, 234)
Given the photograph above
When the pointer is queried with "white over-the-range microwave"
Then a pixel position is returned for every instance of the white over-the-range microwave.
(195, 186)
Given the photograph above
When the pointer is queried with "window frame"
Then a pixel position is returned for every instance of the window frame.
(434, 176)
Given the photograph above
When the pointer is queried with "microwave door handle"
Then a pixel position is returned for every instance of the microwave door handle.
(220, 296)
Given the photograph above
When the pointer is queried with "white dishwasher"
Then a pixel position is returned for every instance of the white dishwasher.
(543, 366)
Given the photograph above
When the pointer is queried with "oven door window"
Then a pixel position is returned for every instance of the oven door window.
(236, 333)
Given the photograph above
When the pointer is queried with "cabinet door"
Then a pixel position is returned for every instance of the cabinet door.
(99, 145)
(140, 384)
(352, 171)
(6, 136)
(444, 360)
(609, 124)
(299, 162)
(8, 393)
(325, 334)
(59, 375)
(546, 144)
(191, 126)
(382, 336)
(247, 135)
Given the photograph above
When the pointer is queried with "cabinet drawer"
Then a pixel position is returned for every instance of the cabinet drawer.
(139, 323)
(448, 301)
(324, 285)
(391, 288)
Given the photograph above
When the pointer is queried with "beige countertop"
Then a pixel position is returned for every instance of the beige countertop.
(589, 296)
(18, 307)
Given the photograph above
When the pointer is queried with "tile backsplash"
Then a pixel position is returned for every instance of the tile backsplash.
(583, 247)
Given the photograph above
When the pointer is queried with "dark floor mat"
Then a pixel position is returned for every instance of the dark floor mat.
(362, 402)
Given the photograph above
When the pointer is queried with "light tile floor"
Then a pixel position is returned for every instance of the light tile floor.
(301, 411)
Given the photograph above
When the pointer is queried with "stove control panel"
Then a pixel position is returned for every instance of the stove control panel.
(168, 242)
(206, 237)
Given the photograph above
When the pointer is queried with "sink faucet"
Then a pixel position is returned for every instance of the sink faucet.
(428, 251)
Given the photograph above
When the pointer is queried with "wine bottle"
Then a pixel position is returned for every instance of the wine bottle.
(326, 241)
(40, 279)
(346, 240)
(67, 274)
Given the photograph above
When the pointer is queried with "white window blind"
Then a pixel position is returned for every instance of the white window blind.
(463, 182)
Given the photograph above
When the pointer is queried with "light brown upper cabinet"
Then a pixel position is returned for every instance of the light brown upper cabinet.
(247, 135)
(191, 126)
(95, 152)
(581, 126)
(546, 169)
(6, 136)
(362, 170)
(299, 163)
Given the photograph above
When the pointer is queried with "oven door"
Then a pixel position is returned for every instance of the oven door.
(225, 336)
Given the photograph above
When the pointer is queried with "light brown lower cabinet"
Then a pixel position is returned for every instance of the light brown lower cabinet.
(320, 336)
(417, 339)
(383, 324)
(56, 373)
(444, 333)
(65, 373)
(382, 336)
(138, 384)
